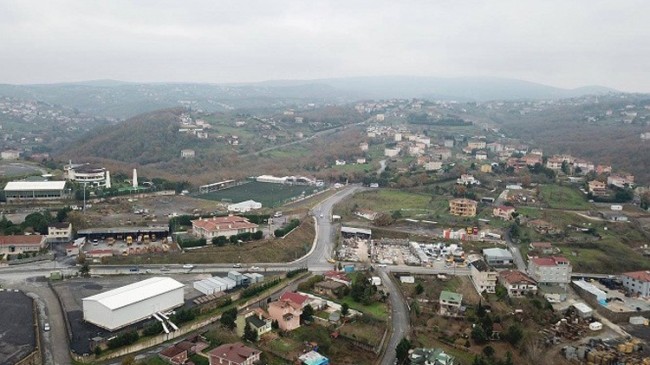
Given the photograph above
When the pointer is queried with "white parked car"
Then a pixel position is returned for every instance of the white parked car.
(188, 266)
(46, 327)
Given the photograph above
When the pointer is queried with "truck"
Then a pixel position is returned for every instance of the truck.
(129, 240)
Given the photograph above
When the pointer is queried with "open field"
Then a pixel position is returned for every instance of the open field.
(563, 197)
(377, 309)
(270, 195)
(606, 248)
(295, 245)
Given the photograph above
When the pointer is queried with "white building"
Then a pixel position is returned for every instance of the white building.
(550, 270)
(433, 166)
(34, 190)
(17, 244)
(87, 174)
(132, 303)
(637, 282)
(10, 155)
(59, 232)
(391, 152)
(271, 179)
(187, 153)
(498, 256)
(483, 277)
(245, 206)
(467, 179)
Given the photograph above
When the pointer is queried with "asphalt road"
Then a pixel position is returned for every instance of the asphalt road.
(399, 318)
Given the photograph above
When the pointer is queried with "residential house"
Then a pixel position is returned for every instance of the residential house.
(498, 257)
(544, 248)
(286, 313)
(554, 163)
(620, 181)
(256, 319)
(486, 168)
(467, 179)
(433, 166)
(18, 244)
(424, 356)
(462, 207)
(363, 146)
(222, 226)
(450, 303)
(483, 277)
(517, 283)
(476, 144)
(296, 298)
(481, 155)
(504, 212)
(597, 188)
(234, 354)
(175, 355)
(340, 162)
(391, 152)
(637, 282)
(361, 160)
(603, 169)
(554, 270)
(330, 288)
(532, 159)
(338, 276)
(59, 232)
(441, 154)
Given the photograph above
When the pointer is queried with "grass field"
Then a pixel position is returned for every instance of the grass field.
(270, 195)
(377, 309)
(563, 197)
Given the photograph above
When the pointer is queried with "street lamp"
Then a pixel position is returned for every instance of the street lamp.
(84, 206)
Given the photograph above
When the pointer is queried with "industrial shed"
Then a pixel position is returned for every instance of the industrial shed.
(132, 303)
(34, 190)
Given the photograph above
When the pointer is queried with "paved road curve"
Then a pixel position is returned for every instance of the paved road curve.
(399, 318)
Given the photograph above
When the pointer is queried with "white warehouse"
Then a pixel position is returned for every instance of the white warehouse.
(132, 303)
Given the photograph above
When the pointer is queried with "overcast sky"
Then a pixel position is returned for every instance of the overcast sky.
(565, 43)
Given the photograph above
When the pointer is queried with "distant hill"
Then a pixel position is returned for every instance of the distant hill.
(145, 139)
(118, 99)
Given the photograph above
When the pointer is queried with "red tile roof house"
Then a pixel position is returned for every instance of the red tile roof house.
(637, 282)
(545, 248)
(174, 354)
(231, 225)
(234, 354)
(517, 283)
(286, 313)
(504, 212)
(297, 298)
(13, 245)
(555, 270)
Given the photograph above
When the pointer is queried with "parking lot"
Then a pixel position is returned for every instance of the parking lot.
(17, 337)
(71, 292)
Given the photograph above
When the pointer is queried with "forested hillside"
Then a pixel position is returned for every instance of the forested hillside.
(145, 139)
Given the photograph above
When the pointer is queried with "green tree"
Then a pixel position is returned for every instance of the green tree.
(249, 333)
(62, 214)
(275, 325)
(84, 270)
(478, 335)
(228, 318)
(345, 309)
(508, 360)
(513, 334)
(219, 240)
(402, 350)
(488, 351)
(307, 314)
(419, 289)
